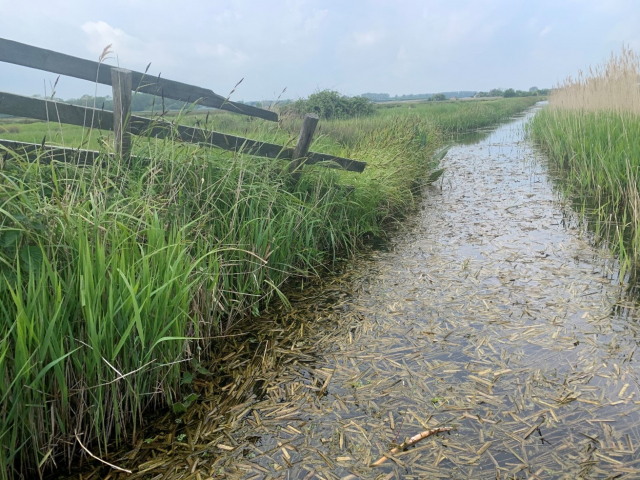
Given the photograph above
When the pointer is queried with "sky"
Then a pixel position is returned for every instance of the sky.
(352, 46)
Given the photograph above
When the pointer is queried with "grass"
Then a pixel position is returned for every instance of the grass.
(336, 136)
(591, 133)
(116, 281)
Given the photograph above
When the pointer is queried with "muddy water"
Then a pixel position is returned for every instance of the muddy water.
(492, 314)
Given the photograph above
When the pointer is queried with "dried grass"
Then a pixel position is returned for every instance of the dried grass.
(613, 86)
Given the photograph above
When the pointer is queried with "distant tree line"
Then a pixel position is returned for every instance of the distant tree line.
(326, 104)
(385, 97)
(140, 102)
(510, 92)
(496, 92)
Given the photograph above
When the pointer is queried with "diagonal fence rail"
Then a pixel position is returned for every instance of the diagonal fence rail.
(57, 112)
(124, 124)
(54, 62)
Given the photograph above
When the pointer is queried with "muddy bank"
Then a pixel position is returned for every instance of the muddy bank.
(491, 314)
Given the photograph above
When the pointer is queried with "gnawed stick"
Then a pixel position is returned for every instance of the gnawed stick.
(412, 441)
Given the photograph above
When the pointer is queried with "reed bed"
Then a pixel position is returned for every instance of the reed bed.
(591, 133)
(116, 280)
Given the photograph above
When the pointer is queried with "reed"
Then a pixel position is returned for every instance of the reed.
(591, 133)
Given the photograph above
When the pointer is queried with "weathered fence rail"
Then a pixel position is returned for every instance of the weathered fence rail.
(46, 110)
(123, 123)
(54, 62)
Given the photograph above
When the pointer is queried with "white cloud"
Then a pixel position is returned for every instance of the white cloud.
(366, 39)
(101, 34)
(403, 55)
(315, 21)
(545, 31)
(477, 22)
(221, 51)
(626, 32)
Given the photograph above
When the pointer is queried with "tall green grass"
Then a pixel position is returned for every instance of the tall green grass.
(115, 280)
(591, 133)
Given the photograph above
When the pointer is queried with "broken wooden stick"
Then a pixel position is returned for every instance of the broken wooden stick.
(412, 441)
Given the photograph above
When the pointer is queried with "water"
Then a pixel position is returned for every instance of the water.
(492, 314)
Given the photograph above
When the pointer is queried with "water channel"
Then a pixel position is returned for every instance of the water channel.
(491, 313)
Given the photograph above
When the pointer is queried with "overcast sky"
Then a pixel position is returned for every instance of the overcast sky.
(353, 46)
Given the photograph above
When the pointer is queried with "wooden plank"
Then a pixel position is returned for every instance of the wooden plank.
(54, 62)
(46, 110)
(121, 86)
(161, 129)
(333, 161)
(50, 111)
(47, 153)
(305, 138)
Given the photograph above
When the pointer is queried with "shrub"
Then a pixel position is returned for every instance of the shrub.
(329, 104)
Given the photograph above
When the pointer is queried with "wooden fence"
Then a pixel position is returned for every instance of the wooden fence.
(124, 124)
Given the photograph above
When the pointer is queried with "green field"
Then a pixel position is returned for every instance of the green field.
(114, 280)
(449, 117)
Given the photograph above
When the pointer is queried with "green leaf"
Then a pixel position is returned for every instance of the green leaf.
(31, 256)
(202, 371)
(191, 398)
(435, 175)
(9, 238)
(179, 408)
(38, 226)
(199, 368)
(439, 155)
(8, 279)
(187, 378)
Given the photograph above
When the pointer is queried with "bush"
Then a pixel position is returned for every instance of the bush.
(329, 104)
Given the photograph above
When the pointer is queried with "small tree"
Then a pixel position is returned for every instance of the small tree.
(510, 92)
(330, 104)
(439, 97)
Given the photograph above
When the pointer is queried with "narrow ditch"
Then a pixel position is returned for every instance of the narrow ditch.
(492, 314)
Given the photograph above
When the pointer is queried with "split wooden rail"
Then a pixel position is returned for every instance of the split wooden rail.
(124, 124)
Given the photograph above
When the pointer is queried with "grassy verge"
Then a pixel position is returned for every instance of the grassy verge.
(591, 133)
(114, 281)
(448, 117)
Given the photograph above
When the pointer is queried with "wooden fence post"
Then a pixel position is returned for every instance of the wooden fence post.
(304, 142)
(121, 81)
